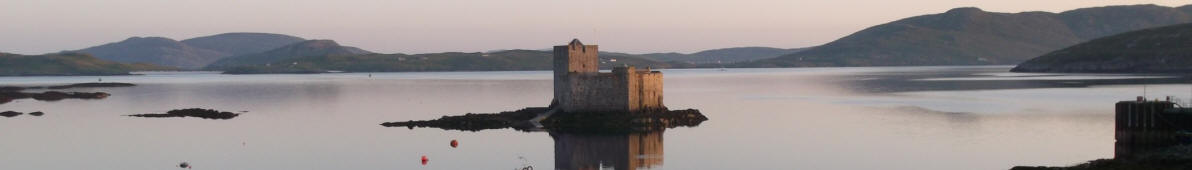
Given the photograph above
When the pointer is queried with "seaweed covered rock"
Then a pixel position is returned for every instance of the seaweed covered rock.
(57, 95)
(476, 122)
(192, 112)
(593, 122)
(10, 114)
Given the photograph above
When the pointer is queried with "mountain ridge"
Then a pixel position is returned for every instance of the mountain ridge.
(1155, 50)
(190, 53)
(156, 50)
(970, 36)
(306, 48)
(241, 43)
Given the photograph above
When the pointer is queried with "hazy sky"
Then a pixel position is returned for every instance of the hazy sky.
(420, 26)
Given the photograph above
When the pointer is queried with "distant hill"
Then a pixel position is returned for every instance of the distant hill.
(235, 44)
(1156, 50)
(65, 64)
(155, 50)
(450, 61)
(970, 36)
(296, 50)
(190, 53)
(724, 55)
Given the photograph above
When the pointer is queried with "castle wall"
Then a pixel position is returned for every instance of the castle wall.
(580, 87)
(596, 92)
(573, 58)
(649, 91)
(632, 89)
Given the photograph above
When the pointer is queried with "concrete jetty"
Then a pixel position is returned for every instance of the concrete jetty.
(1146, 125)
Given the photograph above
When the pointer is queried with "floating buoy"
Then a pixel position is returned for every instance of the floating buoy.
(424, 159)
(184, 165)
(454, 143)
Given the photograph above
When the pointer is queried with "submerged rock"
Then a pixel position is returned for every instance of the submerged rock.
(564, 122)
(192, 112)
(10, 114)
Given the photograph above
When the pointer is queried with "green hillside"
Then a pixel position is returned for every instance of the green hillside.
(65, 64)
(1157, 50)
(970, 36)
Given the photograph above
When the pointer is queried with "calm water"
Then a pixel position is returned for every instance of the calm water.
(803, 118)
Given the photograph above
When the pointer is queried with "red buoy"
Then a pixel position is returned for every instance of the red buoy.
(424, 159)
(454, 143)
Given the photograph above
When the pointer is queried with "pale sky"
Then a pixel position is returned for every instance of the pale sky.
(422, 26)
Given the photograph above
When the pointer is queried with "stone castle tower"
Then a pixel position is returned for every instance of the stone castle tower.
(580, 87)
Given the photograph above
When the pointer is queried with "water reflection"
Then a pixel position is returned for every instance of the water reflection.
(627, 151)
(978, 78)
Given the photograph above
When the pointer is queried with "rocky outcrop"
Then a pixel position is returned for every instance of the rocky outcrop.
(15, 114)
(8, 96)
(192, 112)
(476, 122)
(10, 93)
(587, 122)
(10, 114)
(79, 85)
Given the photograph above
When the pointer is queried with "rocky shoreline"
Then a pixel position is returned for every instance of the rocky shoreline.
(1172, 158)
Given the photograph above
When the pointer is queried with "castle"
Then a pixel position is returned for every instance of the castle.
(581, 87)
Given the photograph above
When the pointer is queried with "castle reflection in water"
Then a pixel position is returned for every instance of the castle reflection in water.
(602, 151)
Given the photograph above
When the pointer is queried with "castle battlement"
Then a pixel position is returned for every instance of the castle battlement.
(581, 87)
